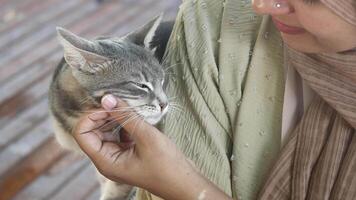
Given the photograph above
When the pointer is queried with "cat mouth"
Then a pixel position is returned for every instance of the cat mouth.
(151, 117)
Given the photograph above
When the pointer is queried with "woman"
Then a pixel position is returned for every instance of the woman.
(231, 84)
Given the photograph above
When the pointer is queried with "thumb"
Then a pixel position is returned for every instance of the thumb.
(108, 102)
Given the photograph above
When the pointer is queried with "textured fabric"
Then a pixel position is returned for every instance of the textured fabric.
(319, 161)
(227, 83)
(333, 77)
(345, 8)
(297, 98)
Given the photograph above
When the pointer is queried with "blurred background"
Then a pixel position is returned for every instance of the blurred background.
(32, 165)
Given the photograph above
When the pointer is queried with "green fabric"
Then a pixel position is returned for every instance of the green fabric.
(226, 82)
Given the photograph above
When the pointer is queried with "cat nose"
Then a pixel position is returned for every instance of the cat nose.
(162, 106)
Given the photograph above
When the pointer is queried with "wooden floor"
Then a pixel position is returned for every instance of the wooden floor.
(32, 165)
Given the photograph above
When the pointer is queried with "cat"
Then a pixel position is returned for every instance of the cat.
(127, 67)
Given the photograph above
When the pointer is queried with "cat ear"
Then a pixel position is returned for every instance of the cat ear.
(79, 52)
(144, 35)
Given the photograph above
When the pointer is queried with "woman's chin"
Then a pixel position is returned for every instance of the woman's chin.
(307, 44)
(301, 44)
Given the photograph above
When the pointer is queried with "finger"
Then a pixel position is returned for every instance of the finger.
(96, 144)
(108, 102)
(107, 136)
(86, 136)
(89, 125)
(100, 147)
(98, 115)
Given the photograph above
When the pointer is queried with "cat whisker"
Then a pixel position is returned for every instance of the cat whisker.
(136, 125)
(112, 121)
(176, 109)
(177, 106)
(121, 116)
(128, 120)
(103, 111)
(170, 73)
(108, 111)
(171, 98)
(167, 68)
(116, 154)
(133, 118)
(117, 130)
(85, 100)
(123, 109)
(178, 116)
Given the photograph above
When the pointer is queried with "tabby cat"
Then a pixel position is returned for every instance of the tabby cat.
(128, 67)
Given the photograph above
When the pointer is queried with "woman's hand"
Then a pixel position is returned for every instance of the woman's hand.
(150, 161)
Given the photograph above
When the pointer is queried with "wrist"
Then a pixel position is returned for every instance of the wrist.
(184, 182)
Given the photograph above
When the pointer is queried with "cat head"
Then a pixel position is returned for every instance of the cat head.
(125, 67)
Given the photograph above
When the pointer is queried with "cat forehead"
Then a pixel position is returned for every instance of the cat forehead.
(115, 48)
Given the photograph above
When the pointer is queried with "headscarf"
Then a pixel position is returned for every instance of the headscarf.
(344, 8)
(319, 160)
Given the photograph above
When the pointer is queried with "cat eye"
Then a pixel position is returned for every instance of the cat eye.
(141, 85)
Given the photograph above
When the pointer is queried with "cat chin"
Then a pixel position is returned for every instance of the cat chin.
(153, 120)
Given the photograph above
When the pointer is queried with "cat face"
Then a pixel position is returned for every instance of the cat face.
(124, 67)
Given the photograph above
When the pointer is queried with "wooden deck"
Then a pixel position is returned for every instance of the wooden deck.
(32, 165)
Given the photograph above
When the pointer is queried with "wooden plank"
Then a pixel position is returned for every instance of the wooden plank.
(32, 93)
(12, 108)
(31, 80)
(56, 177)
(35, 92)
(24, 146)
(79, 186)
(27, 170)
(39, 21)
(28, 78)
(22, 12)
(7, 70)
(35, 82)
(46, 48)
(22, 81)
(152, 10)
(11, 88)
(8, 6)
(43, 33)
(27, 121)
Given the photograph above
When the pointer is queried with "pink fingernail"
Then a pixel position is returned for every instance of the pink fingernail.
(109, 102)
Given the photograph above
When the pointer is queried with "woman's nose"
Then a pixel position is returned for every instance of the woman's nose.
(272, 7)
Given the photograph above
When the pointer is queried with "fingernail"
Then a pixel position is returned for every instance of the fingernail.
(108, 102)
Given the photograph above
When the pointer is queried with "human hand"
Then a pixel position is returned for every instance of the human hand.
(149, 161)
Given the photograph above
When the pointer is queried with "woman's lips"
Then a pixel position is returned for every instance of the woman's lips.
(288, 29)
